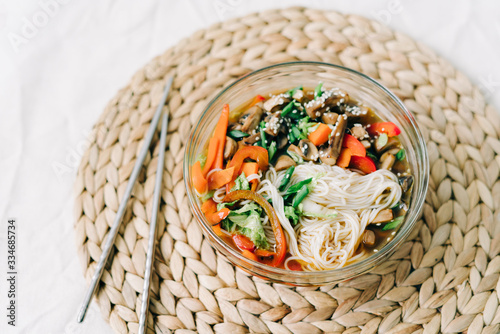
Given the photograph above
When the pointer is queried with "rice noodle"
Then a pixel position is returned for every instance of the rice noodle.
(330, 242)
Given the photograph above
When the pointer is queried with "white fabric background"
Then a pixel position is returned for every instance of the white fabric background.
(56, 82)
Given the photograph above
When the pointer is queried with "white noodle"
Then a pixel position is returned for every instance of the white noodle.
(330, 242)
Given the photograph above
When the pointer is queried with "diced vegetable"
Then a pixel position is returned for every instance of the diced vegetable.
(301, 194)
(220, 134)
(216, 217)
(286, 178)
(279, 235)
(249, 255)
(364, 164)
(320, 135)
(241, 182)
(382, 140)
(344, 158)
(237, 134)
(199, 181)
(354, 145)
(220, 178)
(209, 206)
(393, 224)
(256, 153)
(250, 168)
(213, 147)
(389, 128)
(297, 186)
(243, 242)
(291, 215)
(401, 154)
(318, 91)
(272, 150)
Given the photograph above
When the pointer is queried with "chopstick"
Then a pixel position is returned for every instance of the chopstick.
(152, 228)
(123, 205)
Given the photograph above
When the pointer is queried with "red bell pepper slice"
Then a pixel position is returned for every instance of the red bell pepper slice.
(383, 127)
(364, 164)
(354, 145)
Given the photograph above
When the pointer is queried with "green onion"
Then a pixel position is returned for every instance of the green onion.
(393, 223)
(401, 154)
(293, 90)
(272, 150)
(262, 134)
(382, 139)
(288, 109)
(372, 156)
(296, 187)
(301, 194)
(297, 158)
(237, 134)
(286, 179)
(317, 91)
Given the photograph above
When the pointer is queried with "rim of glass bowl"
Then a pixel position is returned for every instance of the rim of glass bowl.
(339, 274)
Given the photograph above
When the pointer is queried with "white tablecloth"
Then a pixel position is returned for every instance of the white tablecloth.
(62, 61)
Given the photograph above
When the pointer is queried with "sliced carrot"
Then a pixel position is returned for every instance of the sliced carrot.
(213, 146)
(243, 242)
(220, 178)
(320, 135)
(354, 145)
(254, 185)
(216, 217)
(264, 253)
(344, 158)
(209, 206)
(249, 255)
(256, 100)
(220, 134)
(217, 229)
(199, 181)
(249, 168)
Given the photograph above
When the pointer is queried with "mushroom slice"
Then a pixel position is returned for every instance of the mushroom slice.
(273, 124)
(299, 95)
(233, 126)
(383, 216)
(276, 102)
(282, 141)
(308, 149)
(330, 154)
(406, 182)
(294, 149)
(329, 117)
(284, 162)
(329, 99)
(250, 140)
(387, 160)
(251, 118)
(369, 238)
(359, 132)
(230, 148)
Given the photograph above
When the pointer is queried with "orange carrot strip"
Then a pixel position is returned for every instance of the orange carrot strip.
(209, 206)
(264, 253)
(249, 255)
(220, 133)
(320, 135)
(254, 185)
(217, 230)
(220, 178)
(199, 181)
(250, 168)
(344, 158)
(216, 217)
(213, 146)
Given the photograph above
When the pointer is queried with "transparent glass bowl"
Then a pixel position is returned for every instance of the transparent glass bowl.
(308, 74)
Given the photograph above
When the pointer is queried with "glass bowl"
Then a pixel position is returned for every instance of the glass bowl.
(360, 87)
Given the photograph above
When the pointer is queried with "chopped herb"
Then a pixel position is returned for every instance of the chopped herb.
(272, 150)
(286, 179)
(393, 223)
(382, 139)
(292, 91)
(291, 215)
(237, 134)
(401, 154)
(318, 90)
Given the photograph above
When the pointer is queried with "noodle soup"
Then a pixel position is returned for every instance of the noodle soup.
(304, 179)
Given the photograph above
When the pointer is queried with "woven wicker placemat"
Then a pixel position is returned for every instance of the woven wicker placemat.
(443, 279)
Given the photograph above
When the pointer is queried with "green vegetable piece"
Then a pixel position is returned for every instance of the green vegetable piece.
(297, 158)
(297, 186)
(293, 90)
(401, 154)
(318, 90)
(221, 206)
(288, 109)
(393, 223)
(382, 139)
(202, 158)
(291, 215)
(272, 150)
(237, 134)
(372, 156)
(286, 179)
(207, 196)
(241, 183)
(262, 134)
(246, 221)
(301, 194)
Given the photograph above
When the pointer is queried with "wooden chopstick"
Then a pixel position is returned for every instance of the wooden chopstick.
(123, 205)
(152, 228)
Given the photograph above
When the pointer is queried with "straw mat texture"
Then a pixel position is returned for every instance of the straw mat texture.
(443, 279)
